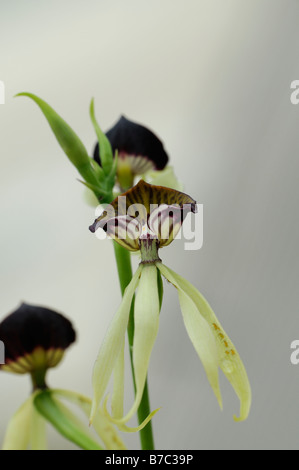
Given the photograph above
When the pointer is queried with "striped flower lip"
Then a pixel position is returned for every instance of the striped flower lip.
(145, 212)
(139, 149)
(35, 338)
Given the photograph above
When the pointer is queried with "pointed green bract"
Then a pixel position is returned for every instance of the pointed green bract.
(67, 139)
(228, 357)
(111, 346)
(17, 435)
(104, 144)
(199, 332)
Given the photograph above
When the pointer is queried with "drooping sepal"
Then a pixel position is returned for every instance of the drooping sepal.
(227, 356)
(111, 346)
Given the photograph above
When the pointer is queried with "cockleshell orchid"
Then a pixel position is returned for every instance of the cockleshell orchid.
(146, 219)
(138, 149)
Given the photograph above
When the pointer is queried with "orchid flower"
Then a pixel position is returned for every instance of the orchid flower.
(139, 153)
(35, 340)
(147, 218)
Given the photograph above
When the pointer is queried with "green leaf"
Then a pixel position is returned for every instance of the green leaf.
(64, 421)
(105, 149)
(67, 139)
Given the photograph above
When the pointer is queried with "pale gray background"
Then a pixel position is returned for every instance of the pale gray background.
(212, 78)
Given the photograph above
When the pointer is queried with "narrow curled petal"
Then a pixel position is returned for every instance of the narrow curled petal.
(146, 325)
(121, 425)
(111, 345)
(105, 430)
(17, 435)
(228, 357)
(199, 332)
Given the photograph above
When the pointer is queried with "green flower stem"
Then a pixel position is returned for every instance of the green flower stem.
(38, 378)
(123, 261)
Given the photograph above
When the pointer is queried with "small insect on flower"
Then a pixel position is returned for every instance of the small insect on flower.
(35, 340)
(148, 218)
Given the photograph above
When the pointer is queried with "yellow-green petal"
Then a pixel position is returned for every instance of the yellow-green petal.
(117, 401)
(17, 435)
(199, 332)
(146, 326)
(228, 357)
(111, 345)
(38, 438)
